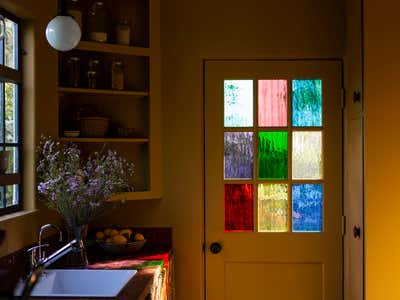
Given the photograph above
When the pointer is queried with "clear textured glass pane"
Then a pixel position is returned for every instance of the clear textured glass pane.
(11, 113)
(307, 155)
(11, 195)
(307, 102)
(272, 207)
(13, 166)
(238, 100)
(2, 197)
(238, 158)
(11, 44)
(272, 155)
(239, 207)
(272, 103)
(2, 96)
(307, 207)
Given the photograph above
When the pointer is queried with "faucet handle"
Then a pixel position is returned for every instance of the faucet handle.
(33, 252)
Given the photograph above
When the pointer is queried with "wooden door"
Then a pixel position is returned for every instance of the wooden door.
(273, 180)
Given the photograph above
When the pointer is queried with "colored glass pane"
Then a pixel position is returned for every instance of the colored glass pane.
(238, 155)
(272, 155)
(272, 207)
(272, 103)
(239, 207)
(307, 102)
(307, 155)
(307, 207)
(238, 103)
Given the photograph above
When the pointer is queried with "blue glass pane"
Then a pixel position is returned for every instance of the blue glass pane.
(307, 207)
(238, 156)
(307, 102)
(238, 103)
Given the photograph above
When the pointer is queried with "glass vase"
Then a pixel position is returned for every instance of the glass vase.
(77, 258)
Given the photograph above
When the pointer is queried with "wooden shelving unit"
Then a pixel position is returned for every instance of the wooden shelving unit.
(69, 90)
(104, 140)
(112, 48)
(137, 107)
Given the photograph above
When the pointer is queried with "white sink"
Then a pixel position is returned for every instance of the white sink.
(79, 283)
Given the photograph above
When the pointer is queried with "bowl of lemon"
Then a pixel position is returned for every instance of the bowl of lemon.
(123, 241)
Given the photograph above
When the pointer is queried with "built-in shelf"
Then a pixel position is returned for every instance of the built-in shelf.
(105, 140)
(69, 90)
(113, 48)
(139, 195)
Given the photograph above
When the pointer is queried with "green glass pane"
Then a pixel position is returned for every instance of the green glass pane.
(273, 207)
(307, 155)
(272, 155)
(307, 102)
(238, 103)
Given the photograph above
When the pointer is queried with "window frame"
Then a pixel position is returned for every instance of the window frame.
(11, 75)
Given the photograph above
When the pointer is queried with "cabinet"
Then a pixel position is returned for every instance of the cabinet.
(134, 113)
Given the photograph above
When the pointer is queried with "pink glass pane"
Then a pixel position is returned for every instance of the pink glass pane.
(239, 207)
(272, 103)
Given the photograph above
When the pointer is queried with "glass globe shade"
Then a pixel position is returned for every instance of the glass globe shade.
(63, 33)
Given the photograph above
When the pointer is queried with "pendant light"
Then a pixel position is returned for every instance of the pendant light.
(63, 32)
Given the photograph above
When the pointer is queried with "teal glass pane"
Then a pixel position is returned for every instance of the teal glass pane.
(238, 103)
(238, 155)
(272, 155)
(307, 207)
(272, 207)
(307, 102)
(307, 155)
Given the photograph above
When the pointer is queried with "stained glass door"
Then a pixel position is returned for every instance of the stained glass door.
(273, 187)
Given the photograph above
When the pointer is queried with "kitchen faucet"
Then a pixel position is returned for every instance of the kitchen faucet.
(42, 262)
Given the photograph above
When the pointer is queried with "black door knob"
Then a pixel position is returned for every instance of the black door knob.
(357, 232)
(215, 248)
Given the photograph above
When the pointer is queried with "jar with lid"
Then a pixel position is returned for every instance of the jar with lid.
(92, 73)
(123, 32)
(97, 22)
(73, 71)
(75, 11)
(117, 75)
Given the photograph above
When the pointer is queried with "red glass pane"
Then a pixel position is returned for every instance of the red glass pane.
(239, 207)
(272, 103)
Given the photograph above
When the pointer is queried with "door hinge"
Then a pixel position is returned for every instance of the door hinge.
(343, 225)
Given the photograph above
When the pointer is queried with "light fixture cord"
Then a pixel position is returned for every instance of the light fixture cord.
(62, 5)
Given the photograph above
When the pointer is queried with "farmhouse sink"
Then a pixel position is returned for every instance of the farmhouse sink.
(79, 283)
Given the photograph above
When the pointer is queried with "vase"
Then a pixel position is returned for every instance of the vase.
(77, 258)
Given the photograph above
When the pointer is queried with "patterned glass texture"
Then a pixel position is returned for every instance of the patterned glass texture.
(307, 102)
(272, 207)
(272, 103)
(239, 207)
(238, 155)
(307, 207)
(307, 155)
(238, 100)
(272, 155)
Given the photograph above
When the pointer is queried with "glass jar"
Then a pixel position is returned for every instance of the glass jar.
(75, 11)
(97, 21)
(117, 75)
(73, 71)
(123, 32)
(93, 73)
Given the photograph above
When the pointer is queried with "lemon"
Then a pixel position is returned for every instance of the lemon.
(114, 232)
(108, 231)
(100, 235)
(119, 239)
(139, 237)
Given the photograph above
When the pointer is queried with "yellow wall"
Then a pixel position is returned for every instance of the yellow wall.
(192, 31)
(382, 126)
